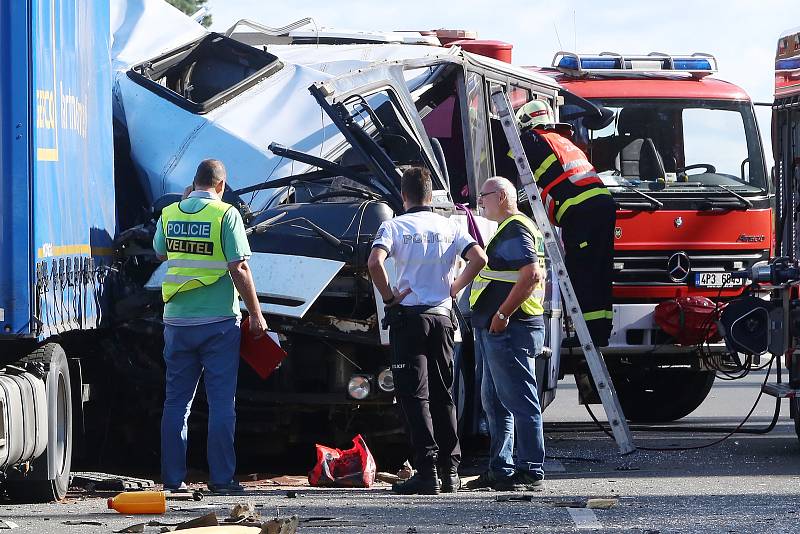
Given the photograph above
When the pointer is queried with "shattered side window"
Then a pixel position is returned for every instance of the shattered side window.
(205, 74)
(479, 136)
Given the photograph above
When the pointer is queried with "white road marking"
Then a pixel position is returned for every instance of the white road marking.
(554, 466)
(584, 518)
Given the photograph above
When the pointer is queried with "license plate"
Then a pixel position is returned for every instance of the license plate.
(717, 279)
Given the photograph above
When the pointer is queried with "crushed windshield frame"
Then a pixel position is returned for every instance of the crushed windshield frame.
(163, 74)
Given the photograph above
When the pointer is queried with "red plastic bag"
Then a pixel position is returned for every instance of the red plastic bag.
(690, 320)
(353, 468)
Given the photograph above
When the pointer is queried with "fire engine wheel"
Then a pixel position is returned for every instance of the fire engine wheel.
(662, 394)
(48, 479)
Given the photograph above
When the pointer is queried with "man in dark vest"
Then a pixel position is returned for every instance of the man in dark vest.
(576, 200)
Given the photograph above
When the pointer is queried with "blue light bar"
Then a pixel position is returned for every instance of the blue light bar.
(568, 62)
(698, 65)
(793, 63)
(692, 64)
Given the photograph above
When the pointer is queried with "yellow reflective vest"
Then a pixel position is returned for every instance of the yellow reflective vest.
(533, 305)
(194, 247)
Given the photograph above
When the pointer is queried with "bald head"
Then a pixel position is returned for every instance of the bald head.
(509, 197)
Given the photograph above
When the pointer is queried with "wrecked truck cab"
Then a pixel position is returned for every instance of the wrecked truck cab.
(443, 122)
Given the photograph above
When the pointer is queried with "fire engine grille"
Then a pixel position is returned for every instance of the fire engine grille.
(668, 267)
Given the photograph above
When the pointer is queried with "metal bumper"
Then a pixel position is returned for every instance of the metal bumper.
(635, 331)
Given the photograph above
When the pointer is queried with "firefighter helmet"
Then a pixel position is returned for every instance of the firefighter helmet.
(534, 113)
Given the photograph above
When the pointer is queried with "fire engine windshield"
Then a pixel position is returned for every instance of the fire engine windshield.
(677, 144)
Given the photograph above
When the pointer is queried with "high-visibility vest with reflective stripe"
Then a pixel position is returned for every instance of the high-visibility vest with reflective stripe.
(534, 304)
(565, 177)
(194, 247)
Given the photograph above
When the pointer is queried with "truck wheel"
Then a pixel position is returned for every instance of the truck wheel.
(48, 479)
(663, 394)
(796, 411)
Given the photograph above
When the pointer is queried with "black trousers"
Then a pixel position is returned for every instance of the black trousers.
(587, 230)
(422, 367)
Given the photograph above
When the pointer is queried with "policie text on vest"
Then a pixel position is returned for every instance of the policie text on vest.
(178, 232)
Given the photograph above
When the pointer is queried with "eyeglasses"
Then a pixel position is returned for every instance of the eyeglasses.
(481, 195)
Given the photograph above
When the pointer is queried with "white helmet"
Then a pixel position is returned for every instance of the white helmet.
(534, 113)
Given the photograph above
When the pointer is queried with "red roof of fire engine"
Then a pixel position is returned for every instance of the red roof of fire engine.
(643, 87)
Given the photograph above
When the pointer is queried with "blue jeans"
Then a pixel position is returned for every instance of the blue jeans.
(211, 350)
(509, 396)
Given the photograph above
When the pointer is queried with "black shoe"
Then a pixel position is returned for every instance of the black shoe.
(485, 481)
(423, 482)
(450, 481)
(231, 488)
(521, 481)
(571, 342)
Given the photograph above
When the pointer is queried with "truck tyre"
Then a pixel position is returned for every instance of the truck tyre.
(464, 388)
(48, 479)
(661, 395)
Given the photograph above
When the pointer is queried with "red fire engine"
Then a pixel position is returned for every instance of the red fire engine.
(684, 161)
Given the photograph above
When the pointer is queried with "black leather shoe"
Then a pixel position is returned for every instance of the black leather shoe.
(450, 481)
(521, 481)
(423, 482)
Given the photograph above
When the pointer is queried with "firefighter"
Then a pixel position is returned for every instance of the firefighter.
(576, 200)
(424, 246)
(203, 240)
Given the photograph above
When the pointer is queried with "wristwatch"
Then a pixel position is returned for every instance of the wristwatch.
(502, 316)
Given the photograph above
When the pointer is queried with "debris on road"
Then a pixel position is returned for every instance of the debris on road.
(185, 495)
(406, 471)
(75, 522)
(383, 476)
(133, 529)
(243, 511)
(601, 503)
(208, 520)
(596, 503)
(281, 525)
(91, 482)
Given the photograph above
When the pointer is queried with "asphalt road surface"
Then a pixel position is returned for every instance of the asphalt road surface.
(748, 483)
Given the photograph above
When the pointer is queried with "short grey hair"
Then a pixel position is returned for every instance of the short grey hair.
(505, 185)
(210, 173)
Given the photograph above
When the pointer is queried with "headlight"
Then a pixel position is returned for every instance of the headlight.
(386, 380)
(358, 387)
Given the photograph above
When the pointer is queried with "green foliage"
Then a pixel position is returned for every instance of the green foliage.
(190, 7)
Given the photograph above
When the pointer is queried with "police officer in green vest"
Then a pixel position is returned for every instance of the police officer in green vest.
(203, 240)
(507, 309)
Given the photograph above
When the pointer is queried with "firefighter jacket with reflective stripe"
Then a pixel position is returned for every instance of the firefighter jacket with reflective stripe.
(563, 174)
(534, 304)
(194, 247)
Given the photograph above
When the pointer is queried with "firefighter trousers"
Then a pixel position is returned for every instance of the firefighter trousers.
(422, 368)
(587, 231)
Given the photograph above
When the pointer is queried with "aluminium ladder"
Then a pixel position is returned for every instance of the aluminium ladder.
(554, 248)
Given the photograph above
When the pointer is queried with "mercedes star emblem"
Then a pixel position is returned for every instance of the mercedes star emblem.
(678, 267)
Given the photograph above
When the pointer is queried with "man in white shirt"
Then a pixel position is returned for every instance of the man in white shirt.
(424, 246)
